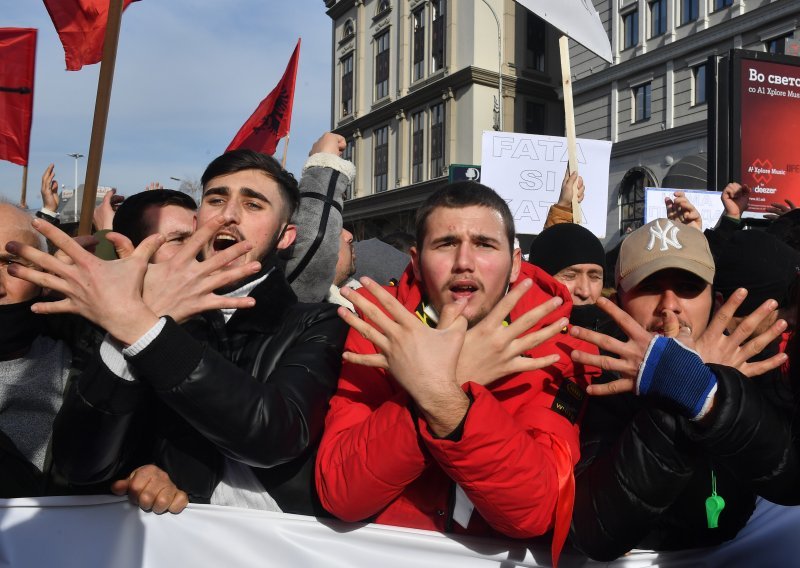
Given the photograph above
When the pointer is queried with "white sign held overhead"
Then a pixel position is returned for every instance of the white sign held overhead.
(577, 19)
(707, 203)
(527, 170)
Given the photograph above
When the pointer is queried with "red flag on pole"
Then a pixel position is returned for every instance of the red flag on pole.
(81, 26)
(272, 120)
(17, 62)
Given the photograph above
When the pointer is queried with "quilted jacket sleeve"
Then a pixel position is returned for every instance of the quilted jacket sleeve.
(370, 450)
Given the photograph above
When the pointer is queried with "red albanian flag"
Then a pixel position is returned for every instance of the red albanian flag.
(272, 120)
(17, 62)
(81, 26)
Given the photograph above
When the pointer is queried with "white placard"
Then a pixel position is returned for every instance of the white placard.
(707, 203)
(527, 170)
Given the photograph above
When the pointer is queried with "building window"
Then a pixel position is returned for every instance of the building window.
(437, 140)
(631, 201)
(437, 38)
(534, 118)
(641, 102)
(699, 79)
(690, 10)
(347, 85)
(536, 42)
(381, 163)
(384, 6)
(720, 4)
(382, 66)
(630, 24)
(348, 154)
(349, 29)
(418, 59)
(777, 45)
(417, 146)
(658, 18)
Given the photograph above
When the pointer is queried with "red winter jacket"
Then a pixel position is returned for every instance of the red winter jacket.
(514, 459)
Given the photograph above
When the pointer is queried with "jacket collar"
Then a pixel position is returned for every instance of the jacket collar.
(273, 298)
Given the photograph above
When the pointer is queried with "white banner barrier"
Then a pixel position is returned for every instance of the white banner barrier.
(99, 531)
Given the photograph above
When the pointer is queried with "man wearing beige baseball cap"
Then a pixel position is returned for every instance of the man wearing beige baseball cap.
(677, 458)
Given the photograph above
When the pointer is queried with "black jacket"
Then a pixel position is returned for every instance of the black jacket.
(645, 473)
(255, 389)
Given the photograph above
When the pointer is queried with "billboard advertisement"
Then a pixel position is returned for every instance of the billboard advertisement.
(769, 110)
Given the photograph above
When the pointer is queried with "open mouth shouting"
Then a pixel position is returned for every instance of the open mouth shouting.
(224, 240)
(463, 289)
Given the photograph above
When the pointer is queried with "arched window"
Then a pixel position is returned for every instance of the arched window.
(631, 198)
(349, 29)
(384, 6)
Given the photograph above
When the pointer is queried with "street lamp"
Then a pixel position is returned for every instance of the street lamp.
(76, 155)
(499, 124)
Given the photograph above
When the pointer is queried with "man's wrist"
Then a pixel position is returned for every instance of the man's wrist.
(132, 325)
(443, 410)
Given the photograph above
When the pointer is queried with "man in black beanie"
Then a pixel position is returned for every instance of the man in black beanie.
(574, 256)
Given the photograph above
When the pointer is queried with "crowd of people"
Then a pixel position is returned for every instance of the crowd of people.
(225, 354)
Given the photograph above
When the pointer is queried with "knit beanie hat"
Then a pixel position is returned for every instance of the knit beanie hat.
(563, 245)
(757, 261)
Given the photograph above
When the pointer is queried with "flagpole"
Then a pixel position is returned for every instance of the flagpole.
(285, 149)
(102, 104)
(22, 199)
(569, 116)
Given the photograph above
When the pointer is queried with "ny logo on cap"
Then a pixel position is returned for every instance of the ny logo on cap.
(668, 235)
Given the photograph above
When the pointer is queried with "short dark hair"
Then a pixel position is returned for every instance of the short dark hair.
(240, 160)
(129, 217)
(464, 194)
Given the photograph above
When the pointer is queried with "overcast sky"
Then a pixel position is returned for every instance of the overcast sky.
(188, 74)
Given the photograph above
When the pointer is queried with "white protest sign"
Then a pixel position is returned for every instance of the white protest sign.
(577, 19)
(707, 203)
(527, 170)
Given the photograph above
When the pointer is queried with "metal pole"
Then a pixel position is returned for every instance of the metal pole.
(76, 155)
(499, 67)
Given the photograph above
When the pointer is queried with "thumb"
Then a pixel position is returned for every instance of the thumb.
(450, 313)
(122, 244)
(148, 247)
(120, 487)
(671, 324)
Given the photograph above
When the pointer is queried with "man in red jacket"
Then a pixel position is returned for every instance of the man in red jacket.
(457, 404)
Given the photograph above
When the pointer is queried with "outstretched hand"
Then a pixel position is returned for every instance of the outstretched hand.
(108, 293)
(629, 354)
(182, 286)
(422, 359)
(737, 348)
(493, 350)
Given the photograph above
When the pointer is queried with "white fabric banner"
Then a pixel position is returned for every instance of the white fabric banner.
(707, 203)
(99, 531)
(527, 170)
(576, 18)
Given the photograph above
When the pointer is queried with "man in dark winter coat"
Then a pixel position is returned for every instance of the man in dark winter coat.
(679, 463)
(253, 384)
